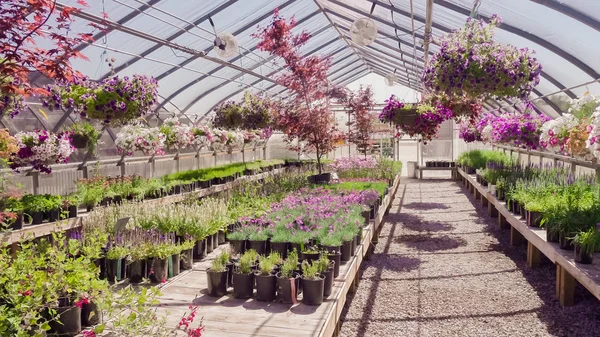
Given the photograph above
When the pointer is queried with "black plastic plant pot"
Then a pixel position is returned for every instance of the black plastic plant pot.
(249, 172)
(372, 212)
(346, 251)
(328, 282)
(259, 246)
(101, 263)
(68, 322)
(312, 291)
(186, 259)
(205, 183)
(331, 249)
(323, 178)
(582, 257)
(200, 250)
(113, 270)
(215, 240)
(298, 248)
(208, 243)
(176, 264)
(367, 216)
(500, 195)
(135, 271)
(160, 270)
(243, 285)
(118, 200)
(37, 218)
(72, 211)
(266, 288)
(217, 283)
(551, 235)
(238, 246)
(280, 247)
(217, 181)
(337, 259)
(229, 266)
(534, 219)
(221, 237)
(90, 314)
(310, 257)
(564, 242)
(54, 215)
(177, 189)
(287, 289)
(522, 211)
(18, 223)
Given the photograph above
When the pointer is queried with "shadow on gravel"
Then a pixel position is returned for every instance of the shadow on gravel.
(581, 319)
(431, 244)
(426, 206)
(416, 223)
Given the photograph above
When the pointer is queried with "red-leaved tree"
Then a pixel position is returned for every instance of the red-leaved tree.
(359, 105)
(22, 23)
(308, 119)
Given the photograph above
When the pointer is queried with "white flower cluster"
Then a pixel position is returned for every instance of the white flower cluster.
(201, 137)
(593, 141)
(235, 140)
(554, 133)
(133, 138)
(44, 148)
(486, 133)
(585, 104)
(178, 135)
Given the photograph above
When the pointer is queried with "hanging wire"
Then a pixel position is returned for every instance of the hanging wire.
(105, 43)
(399, 43)
(475, 9)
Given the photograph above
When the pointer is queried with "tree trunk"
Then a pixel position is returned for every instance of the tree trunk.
(319, 161)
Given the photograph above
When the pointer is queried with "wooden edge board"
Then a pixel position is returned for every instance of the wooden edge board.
(553, 253)
(329, 327)
(424, 168)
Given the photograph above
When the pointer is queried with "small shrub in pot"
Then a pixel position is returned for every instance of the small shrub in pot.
(243, 277)
(266, 284)
(313, 284)
(287, 283)
(586, 243)
(326, 269)
(217, 279)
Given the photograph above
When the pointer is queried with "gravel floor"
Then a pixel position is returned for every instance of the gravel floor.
(443, 268)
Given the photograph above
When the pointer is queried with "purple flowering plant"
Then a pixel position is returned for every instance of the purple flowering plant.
(470, 62)
(40, 149)
(520, 130)
(114, 101)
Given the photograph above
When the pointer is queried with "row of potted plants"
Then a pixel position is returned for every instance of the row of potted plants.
(553, 197)
(443, 163)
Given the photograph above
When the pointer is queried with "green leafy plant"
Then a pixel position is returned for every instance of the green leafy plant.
(265, 266)
(245, 264)
(217, 266)
(86, 132)
(310, 271)
(275, 258)
(589, 240)
(289, 268)
(322, 263)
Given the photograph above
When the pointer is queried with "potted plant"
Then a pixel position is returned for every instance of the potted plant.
(217, 279)
(311, 253)
(287, 282)
(70, 205)
(237, 240)
(326, 268)
(34, 206)
(265, 280)
(243, 277)
(178, 136)
(136, 137)
(313, 284)
(136, 266)
(348, 242)
(186, 257)
(84, 135)
(115, 263)
(201, 137)
(279, 242)
(586, 243)
(257, 240)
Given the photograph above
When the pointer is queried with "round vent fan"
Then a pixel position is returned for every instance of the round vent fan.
(363, 31)
(390, 79)
(226, 45)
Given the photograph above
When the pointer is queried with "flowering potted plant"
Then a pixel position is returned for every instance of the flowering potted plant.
(114, 100)
(135, 137)
(471, 63)
(40, 149)
(84, 135)
(219, 139)
(462, 106)
(586, 243)
(555, 132)
(520, 130)
(235, 140)
(416, 119)
(468, 132)
(201, 137)
(177, 135)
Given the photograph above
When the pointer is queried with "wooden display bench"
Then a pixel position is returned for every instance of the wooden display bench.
(420, 170)
(227, 316)
(567, 270)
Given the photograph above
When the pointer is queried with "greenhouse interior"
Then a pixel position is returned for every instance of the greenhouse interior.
(299, 168)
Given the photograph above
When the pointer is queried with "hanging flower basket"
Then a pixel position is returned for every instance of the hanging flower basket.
(555, 133)
(415, 119)
(131, 138)
(229, 115)
(471, 63)
(201, 137)
(178, 136)
(40, 149)
(115, 101)
(520, 130)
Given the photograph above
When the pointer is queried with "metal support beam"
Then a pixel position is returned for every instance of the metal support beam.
(428, 22)
(570, 12)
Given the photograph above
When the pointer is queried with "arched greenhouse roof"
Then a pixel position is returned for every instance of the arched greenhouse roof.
(172, 40)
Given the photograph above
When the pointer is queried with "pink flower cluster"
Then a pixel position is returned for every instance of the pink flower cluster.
(353, 163)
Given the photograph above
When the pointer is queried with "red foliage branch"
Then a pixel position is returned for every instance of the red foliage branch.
(22, 24)
(308, 119)
(359, 105)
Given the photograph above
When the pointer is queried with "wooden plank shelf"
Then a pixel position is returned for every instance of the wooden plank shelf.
(36, 231)
(568, 270)
(227, 316)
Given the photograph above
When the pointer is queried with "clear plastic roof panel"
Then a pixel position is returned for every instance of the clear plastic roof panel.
(168, 38)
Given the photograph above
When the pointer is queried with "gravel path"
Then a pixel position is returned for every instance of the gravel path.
(443, 268)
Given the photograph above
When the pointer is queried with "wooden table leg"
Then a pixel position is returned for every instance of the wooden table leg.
(533, 256)
(565, 286)
(516, 238)
(502, 221)
(492, 211)
(484, 201)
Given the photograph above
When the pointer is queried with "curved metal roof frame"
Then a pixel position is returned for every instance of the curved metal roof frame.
(351, 62)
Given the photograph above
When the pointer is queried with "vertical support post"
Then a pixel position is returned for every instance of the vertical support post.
(565, 286)
(178, 161)
(597, 174)
(516, 238)
(533, 256)
(215, 158)
(492, 211)
(541, 160)
(528, 158)
(502, 222)
(122, 164)
(198, 159)
(243, 155)
(85, 171)
(555, 161)
(35, 181)
(264, 150)
(573, 168)
(153, 167)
